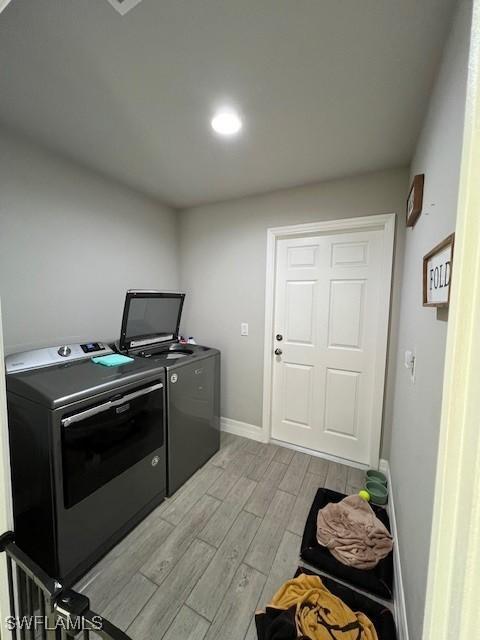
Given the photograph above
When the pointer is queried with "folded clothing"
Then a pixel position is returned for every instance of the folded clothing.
(353, 533)
(304, 608)
(112, 360)
(378, 580)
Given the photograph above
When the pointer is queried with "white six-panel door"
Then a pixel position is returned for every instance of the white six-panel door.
(326, 317)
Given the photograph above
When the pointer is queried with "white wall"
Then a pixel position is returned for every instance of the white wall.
(416, 416)
(223, 262)
(71, 243)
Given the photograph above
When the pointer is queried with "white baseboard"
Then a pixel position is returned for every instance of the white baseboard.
(243, 429)
(400, 611)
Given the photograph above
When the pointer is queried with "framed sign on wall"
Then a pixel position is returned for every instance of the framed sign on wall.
(415, 200)
(437, 274)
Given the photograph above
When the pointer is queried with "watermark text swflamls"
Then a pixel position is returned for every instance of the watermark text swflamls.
(42, 622)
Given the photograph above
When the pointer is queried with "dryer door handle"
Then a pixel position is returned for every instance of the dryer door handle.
(100, 408)
(83, 415)
(136, 394)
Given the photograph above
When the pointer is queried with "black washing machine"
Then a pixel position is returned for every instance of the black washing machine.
(150, 327)
(88, 452)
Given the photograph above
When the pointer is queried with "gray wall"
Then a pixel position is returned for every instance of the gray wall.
(223, 262)
(417, 407)
(71, 243)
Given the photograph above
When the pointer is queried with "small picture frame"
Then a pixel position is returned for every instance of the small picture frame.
(437, 274)
(415, 200)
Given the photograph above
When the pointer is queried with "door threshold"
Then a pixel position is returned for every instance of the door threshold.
(320, 454)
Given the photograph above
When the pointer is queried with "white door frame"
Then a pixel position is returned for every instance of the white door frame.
(383, 222)
(6, 510)
(451, 609)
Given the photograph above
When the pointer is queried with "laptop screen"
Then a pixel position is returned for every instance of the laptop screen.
(150, 317)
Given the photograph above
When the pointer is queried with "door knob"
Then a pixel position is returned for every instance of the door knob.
(278, 352)
(279, 337)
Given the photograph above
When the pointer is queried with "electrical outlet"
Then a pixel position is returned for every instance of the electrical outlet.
(244, 329)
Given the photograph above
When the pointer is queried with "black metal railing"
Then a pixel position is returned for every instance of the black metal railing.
(40, 607)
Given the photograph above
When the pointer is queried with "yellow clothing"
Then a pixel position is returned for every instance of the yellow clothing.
(319, 614)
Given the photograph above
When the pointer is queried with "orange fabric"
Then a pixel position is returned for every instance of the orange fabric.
(319, 614)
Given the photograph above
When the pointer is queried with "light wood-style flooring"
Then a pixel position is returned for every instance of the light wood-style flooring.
(199, 566)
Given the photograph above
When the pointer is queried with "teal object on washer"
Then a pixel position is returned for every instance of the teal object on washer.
(112, 360)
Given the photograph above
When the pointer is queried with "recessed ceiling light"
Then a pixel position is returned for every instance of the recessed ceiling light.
(226, 122)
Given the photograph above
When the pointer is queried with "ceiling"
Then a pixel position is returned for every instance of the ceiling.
(327, 88)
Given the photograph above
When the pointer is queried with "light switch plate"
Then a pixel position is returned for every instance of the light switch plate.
(244, 329)
(410, 362)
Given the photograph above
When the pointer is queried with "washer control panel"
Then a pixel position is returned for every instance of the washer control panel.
(54, 355)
